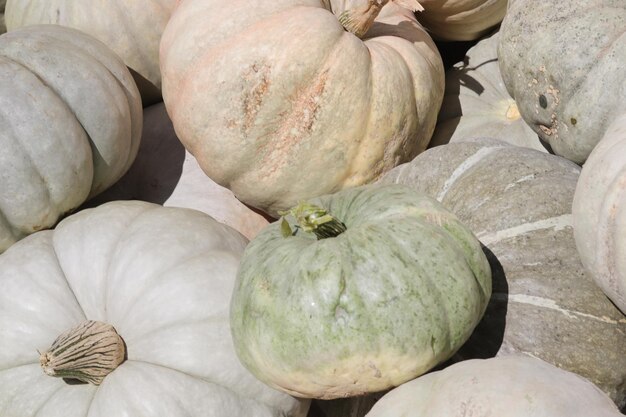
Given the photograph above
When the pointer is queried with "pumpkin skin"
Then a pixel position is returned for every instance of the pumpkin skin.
(599, 211)
(514, 386)
(476, 103)
(165, 173)
(461, 20)
(66, 145)
(569, 98)
(132, 29)
(280, 112)
(363, 311)
(163, 278)
(518, 202)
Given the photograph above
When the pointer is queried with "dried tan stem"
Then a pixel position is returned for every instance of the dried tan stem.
(87, 352)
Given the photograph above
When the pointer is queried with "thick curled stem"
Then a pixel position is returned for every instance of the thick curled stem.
(360, 19)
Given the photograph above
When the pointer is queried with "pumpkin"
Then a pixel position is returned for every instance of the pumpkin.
(514, 386)
(373, 286)
(567, 78)
(65, 145)
(132, 29)
(461, 20)
(599, 211)
(161, 279)
(280, 103)
(476, 103)
(518, 201)
(165, 173)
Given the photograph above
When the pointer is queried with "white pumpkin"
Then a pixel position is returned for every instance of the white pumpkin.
(599, 212)
(461, 20)
(131, 28)
(513, 386)
(477, 104)
(162, 277)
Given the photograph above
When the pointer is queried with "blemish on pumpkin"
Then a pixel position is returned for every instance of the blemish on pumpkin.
(377, 373)
(512, 112)
(573, 121)
(543, 101)
(296, 123)
(258, 78)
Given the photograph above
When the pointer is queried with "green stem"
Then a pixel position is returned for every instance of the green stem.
(315, 219)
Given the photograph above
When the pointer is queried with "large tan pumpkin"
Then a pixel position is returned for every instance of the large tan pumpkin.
(131, 28)
(599, 211)
(279, 103)
(477, 104)
(461, 20)
(71, 125)
(518, 202)
(165, 173)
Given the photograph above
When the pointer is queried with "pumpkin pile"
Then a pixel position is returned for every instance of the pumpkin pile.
(312, 208)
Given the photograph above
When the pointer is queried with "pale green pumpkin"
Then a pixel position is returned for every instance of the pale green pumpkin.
(396, 293)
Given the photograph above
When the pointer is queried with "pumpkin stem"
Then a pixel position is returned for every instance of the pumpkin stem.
(359, 20)
(87, 352)
(314, 219)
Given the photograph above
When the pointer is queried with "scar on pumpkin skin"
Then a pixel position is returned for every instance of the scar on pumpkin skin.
(259, 75)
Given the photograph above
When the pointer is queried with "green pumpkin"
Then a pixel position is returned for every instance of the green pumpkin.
(393, 295)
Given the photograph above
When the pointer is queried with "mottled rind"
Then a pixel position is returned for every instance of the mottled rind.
(518, 202)
(568, 78)
(398, 292)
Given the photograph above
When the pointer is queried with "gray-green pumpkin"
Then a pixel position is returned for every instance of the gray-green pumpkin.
(477, 104)
(563, 63)
(518, 202)
(396, 293)
(70, 116)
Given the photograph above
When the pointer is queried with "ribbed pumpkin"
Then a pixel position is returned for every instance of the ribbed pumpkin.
(72, 120)
(568, 78)
(130, 28)
(159, 278)
(165, 173)
(599, 211)
(279, 103)
(477, 104)
(461, 20)
(518, 202)
(503, 387)
(360, 310)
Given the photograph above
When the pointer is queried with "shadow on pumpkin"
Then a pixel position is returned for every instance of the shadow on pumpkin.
(488, 336)
(157, 168)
